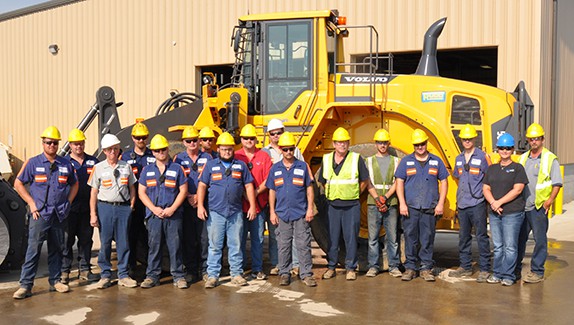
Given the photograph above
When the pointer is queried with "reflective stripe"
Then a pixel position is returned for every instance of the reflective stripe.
(345, 185)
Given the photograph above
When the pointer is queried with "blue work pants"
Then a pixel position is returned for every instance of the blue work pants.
(467, 218)
(220, 227)
(294, 233)
(389, 220)
(170, 229)
(114, 225)
(78, 226)
(419, 229)
(505, 230)
(537, 222)
(349, 220)
(255, 227)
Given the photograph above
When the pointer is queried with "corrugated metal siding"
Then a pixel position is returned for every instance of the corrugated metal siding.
(145, 48)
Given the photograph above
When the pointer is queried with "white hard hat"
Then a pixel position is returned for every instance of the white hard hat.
(109, 140)
(275, 124)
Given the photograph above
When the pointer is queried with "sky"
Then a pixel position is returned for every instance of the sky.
(11, 5)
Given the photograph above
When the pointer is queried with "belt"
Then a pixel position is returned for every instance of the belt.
(115, 203)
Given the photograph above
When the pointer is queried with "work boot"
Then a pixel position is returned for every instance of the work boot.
(482, 276)
(127, 282)
(284, 280)
(259, 275)
(493, 279)
(351, 275)
(65, 277)
(210, 283)
(310, 281)
(204, 277)
(395, 273)
(149, 283)
(88, 276)
(507, 282)
(60, 287)
(274, 270)
(459, 273)
(295, 271)
(329, 274)
(22, 293)
(427, 275)
(408, 275)
(238, 280)
(532, 277)
(372, 272)
(180, 284)
(104, 283)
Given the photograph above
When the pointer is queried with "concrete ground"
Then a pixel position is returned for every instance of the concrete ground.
(334, 301)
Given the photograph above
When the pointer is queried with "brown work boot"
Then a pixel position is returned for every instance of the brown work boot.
(329, 274)
(310, 281)
(65, 277)
(211, 283)
(284, 280)
(532, 277)
(427, 275)
(239, 280)
(104, 283)
(88, 276)
(408, 275)
(60, 287)
(351, 275)
(22, 293)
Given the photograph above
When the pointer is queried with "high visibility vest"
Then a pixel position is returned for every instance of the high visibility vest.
(544, 182)
(344, 186)
(382, 184)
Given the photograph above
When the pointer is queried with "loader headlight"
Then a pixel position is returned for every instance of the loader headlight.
(207, 79)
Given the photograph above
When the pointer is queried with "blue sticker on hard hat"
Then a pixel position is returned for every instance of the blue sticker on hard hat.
(433, 96)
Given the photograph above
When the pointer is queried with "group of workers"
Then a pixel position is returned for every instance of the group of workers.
(203, 199)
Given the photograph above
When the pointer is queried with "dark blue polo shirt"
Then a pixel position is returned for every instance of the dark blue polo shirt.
(138, 162)
(291, 189)
(470, 177)
(192, 168)
(163, 194)
(83, 171)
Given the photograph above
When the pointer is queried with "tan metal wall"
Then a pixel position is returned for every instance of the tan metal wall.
(144, 48)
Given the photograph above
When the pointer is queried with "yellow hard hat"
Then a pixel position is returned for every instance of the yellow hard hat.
(140, 130)
(225, 139)
(467, 132)
(286, 140)
(158, 142)
(419, 136)
(206, 133)
(189, 132)
(52, 132)
(535, 130)
(248, 131)
(382, 135)
(76, 135)
(341, 134)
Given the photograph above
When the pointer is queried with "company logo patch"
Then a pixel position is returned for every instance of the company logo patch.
(433, 96)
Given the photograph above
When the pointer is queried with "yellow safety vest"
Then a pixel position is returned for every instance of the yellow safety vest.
(544, 182)
(382, 185)
(344, 186)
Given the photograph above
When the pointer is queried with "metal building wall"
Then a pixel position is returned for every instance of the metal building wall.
(145, 48)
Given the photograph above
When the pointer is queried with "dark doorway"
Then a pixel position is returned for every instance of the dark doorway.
(222, 74)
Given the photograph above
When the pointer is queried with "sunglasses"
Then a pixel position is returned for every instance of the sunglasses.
(506, 148)
(275, 133)
(207, 139)
(51, 143)
(292, 149)
(535, 139)
(190, 140)
(465, 140)
(140, 138)
(386, 143)
(420, 144)
(248, 138)
(159, 150)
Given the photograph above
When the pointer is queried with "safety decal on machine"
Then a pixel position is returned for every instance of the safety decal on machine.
(433, 96)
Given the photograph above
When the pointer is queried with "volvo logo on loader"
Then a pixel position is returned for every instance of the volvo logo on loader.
(355, 79)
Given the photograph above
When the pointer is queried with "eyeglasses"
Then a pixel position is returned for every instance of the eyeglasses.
(207, 139)
(535, 139)
(385, 143)
(112, 149)
(51, 143)
(77, 143)
(159, 150)
(190, 140)
(226, 149)
(248, 138)
(420, 144)
(506, 148)
(140, 138)
(288, 149)
(275, 133)
(465, 140)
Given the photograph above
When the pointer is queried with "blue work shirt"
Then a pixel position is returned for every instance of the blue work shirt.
(49, 188)
(290, 186)
(192, 168)
(83, 172)
(226, 186)
(470, 177)
(138, 162)
(421, 182)
(163, 194)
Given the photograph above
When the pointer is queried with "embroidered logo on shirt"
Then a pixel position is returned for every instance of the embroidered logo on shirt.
(170, 173)
(299, 172)
(433, 162)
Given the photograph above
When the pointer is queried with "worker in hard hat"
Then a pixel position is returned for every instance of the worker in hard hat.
(207, 138)
(79, 217)
(291, 197)
(53, 187)
(258, 162)
(544, 183)
(195, 242)
(138, 157)
(470, 167)
(421, 189)
(112, 199)
(163, 189)
(383, 210)
(275, 129)
(226, 179)
(344, 176)
(503, 186)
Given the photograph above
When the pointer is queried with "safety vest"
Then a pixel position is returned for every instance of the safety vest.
(382, 185)
(344, 186)
(544, 182)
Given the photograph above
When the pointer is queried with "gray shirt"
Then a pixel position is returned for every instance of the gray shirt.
(532, 168)
(384, 163)
(112, 188)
